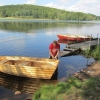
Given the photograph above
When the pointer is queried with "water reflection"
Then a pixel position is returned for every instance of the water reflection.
(27, 26)
(25, 85)
(62, 41)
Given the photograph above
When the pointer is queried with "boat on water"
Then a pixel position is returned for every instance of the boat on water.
(42, 68)
(74, 37)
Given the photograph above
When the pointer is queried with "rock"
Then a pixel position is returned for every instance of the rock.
(83, 79)
(91, 97)
(90, 72)
(97, 88)
(17, 92)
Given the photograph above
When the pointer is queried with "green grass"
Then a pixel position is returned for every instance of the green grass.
(73, 89)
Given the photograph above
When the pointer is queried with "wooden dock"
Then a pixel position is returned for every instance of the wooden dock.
(83, 45)
(67, 52)
(74, 47)
(64, 53)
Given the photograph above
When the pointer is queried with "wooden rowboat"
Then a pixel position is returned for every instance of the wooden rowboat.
(28, 67)
(74, 37)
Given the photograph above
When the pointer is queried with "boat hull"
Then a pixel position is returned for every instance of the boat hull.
(28, 67)
(72, 38)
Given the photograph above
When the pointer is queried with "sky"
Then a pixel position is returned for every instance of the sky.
(86, 6)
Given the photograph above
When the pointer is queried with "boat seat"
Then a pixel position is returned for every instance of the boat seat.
(4, 61)
(24, 63)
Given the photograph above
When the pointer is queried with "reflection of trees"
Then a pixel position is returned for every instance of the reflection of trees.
(26, 26)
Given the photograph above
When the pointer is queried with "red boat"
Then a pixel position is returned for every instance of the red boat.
(74, 37)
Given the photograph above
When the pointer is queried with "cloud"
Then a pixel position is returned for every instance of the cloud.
(52, 5)
(1, 4)
(64, 1)
(31, 2)
(86, 6)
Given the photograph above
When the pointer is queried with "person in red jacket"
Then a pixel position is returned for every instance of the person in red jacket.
(54, 50)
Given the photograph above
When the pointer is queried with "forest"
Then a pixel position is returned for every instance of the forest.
(41, 12)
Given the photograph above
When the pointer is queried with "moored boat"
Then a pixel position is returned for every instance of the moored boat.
(74, 37)
(28, 67)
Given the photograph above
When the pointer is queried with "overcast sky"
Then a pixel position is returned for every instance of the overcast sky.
(87, 6)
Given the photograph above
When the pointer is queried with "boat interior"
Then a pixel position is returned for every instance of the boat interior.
(25, 63)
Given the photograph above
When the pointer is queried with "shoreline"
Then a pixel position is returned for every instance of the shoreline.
(16, 18)
(92, 70)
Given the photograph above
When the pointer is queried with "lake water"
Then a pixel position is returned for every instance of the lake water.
(32, 38)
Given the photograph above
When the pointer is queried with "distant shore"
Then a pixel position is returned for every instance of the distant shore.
(17, 18)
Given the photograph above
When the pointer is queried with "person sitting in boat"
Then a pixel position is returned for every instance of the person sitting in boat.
(54, 50)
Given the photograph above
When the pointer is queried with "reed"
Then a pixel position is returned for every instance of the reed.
(95, 52)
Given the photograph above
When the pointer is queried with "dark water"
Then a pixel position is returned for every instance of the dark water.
(32, 38)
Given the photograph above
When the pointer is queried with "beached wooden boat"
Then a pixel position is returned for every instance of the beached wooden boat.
(28, 67)
(74, 37)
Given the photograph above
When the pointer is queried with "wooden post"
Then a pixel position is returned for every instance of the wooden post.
(85, 38)
(90, 42)
(98, 38)
(77, 38)
(68, 43)
(97, 35)
(91, 37)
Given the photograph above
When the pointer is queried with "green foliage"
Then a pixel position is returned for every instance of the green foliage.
(86, 53)
(95, 52)
(41, 12)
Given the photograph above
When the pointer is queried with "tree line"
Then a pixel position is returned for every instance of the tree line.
(41, 12)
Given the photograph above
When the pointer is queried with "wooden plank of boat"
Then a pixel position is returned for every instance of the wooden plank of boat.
(28, 66)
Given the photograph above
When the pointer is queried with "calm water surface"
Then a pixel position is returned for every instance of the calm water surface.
(32, 38)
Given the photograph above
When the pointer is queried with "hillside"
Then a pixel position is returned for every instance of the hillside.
(41, 12)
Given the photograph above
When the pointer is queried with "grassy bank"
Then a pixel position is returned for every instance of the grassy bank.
(73, 89)
(95, 52)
